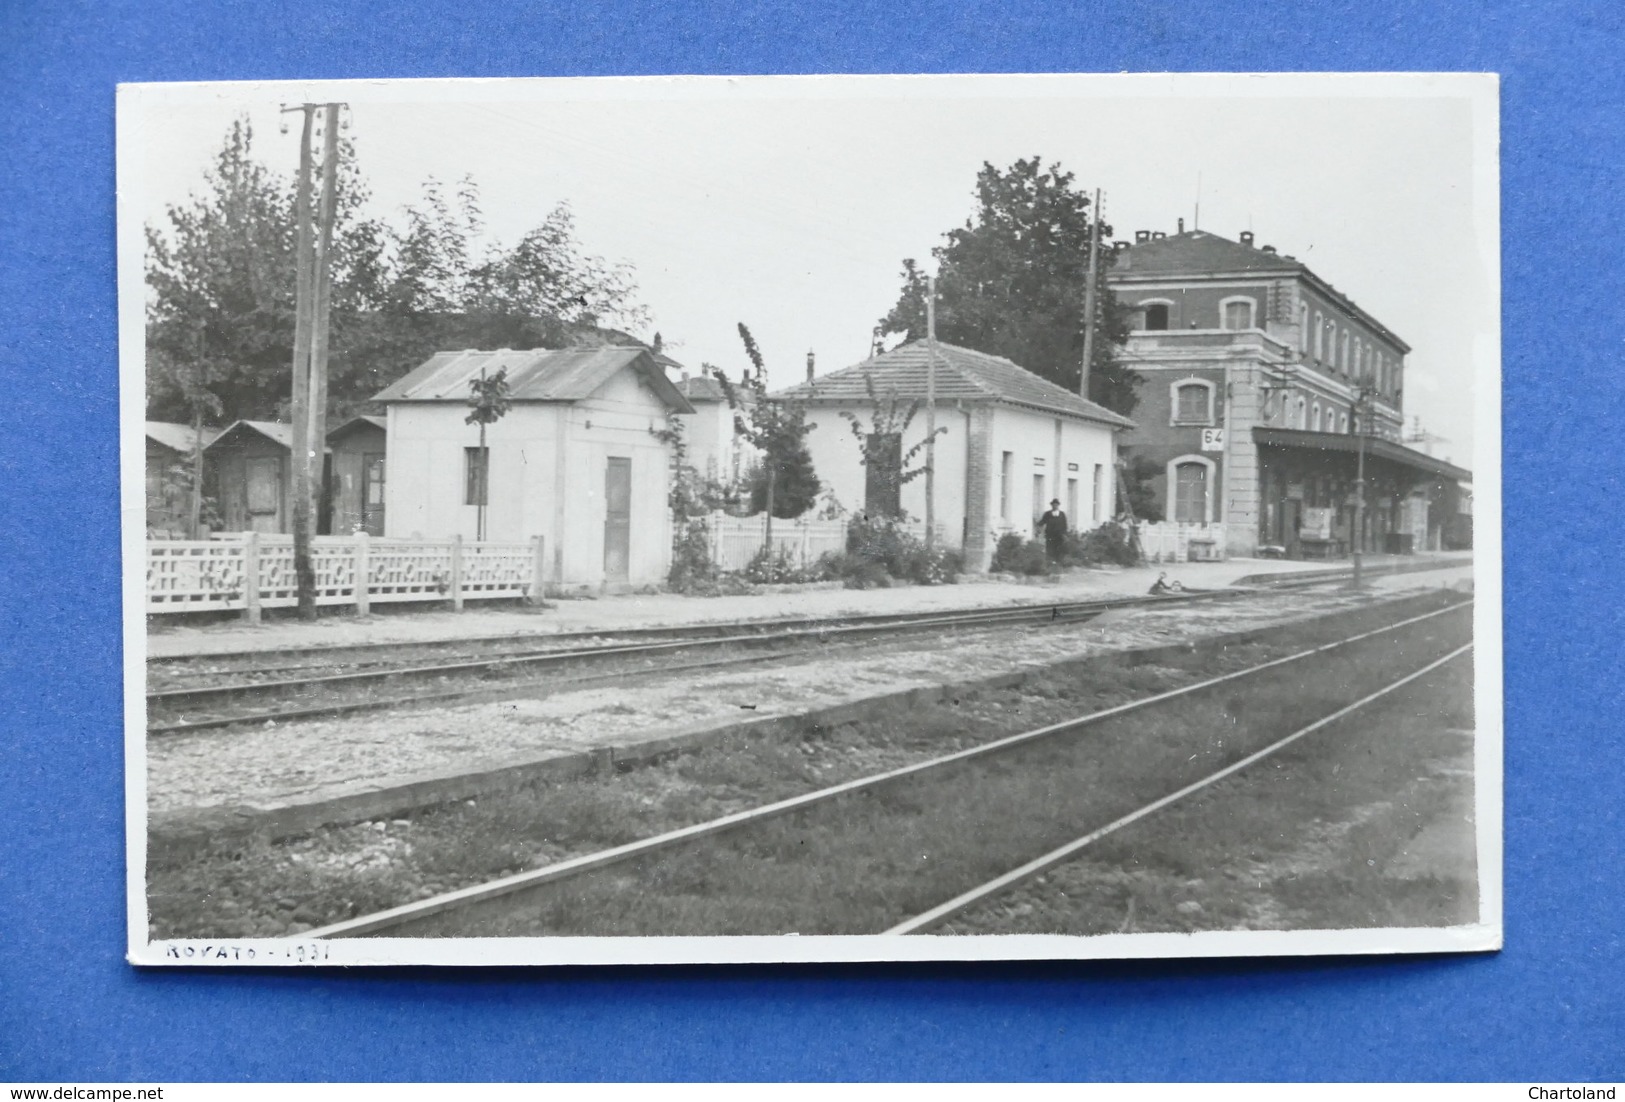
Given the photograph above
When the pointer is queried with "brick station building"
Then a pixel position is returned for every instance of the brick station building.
(1253, 372)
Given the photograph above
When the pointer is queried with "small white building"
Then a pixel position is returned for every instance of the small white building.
(1012, 442)
(715, 448)
(575, 460)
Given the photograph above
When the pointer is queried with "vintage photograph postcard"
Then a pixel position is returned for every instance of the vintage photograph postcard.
(819, 518)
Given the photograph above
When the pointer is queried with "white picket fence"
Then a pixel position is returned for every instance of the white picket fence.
(1178, 541)
(735, 541)
(251, 571)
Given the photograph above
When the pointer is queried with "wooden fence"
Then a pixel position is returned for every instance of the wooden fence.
(735, 541)
(1178, 541)
(250, 572)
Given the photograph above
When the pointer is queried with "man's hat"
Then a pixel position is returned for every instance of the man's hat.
(1054, 501)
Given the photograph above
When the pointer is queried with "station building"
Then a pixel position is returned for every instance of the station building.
(1262, 383)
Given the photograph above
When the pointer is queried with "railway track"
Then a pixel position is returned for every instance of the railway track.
(372, 681)
(929, 798)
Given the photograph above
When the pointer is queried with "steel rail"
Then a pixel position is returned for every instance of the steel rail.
(936, 915)
(462, 897)
(1074, 612)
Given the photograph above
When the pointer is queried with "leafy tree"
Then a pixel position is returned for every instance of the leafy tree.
(1012, 283)
(488, 401)
(879, 443)
(220, 278)
(785, 484)
(1139, 490)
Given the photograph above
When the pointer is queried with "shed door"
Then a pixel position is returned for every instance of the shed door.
(372, 493)
(264, 493)
(617, 519)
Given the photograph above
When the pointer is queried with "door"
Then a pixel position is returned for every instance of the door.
(1190, 493)
(617, 520)
(372, 493)
(263, 475)
(1291, 518)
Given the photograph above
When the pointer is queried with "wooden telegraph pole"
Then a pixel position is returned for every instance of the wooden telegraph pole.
(313, 278)
(930, 411)
(1089, 299)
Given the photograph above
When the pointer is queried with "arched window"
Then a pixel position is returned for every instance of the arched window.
(1192, 401)
(1156, 315)
(1190, 481)
(1342, 422)
(1320, 336)
(1303, 327)
(1237, 313)
(1302, 420)
(1343, 351)
(1314, 418)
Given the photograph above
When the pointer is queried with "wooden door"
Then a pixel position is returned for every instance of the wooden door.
(372, 493)
(617, 520)
(1291, 518)
(263, 492)
(1190, 493)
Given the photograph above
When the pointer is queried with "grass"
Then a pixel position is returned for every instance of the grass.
(860, 864)
(264, 889)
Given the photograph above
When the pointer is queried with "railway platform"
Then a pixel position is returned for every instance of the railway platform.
(165, 640)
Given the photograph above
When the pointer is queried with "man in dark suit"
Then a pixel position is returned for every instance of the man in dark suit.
(1053, 525)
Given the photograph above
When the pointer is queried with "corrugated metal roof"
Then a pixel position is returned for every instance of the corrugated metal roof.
(1347, 442)
(962, 374)
(536, 375)
(176, 436)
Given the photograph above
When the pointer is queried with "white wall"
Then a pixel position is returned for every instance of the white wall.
(1031, 439)
(548, 463)
(837, 458)
(713, 448)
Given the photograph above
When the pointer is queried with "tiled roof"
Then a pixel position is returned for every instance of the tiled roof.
(702, 388)
(962, 374)
(1197, 251)
(537, 375)
(176, 436)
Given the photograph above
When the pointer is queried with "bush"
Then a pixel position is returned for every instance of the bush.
(1111, 542)
(692, 570)
(778, 568)
(879, 550)
(1014, 555)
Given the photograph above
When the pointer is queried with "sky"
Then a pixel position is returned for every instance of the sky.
(790, 203)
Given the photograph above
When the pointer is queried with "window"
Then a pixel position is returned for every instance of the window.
(1193, 402)
(1302, 420)
(1094, 511)
(1320, 336)
(1156, 315)
(476, 475)
(1237, 313)
(1190, 493)
(883, 471)
(1303, 327)
(1039, 504)
(1342, 422)
(1072, 501)
(1343, 351)
(1314, 418)
(1006, 463)
(372, 470)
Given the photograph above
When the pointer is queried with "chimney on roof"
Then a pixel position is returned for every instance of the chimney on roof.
(1181, 225)
(809, 365)
(1158, 235)
(1269, 248)
(1142, 236)
(1247, 238)
(1119, 246)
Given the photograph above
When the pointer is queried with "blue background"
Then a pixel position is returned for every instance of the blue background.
(1548, 1008)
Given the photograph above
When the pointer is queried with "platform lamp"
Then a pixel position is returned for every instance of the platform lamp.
(1363, 403)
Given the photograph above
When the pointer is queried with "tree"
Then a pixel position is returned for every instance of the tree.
(1139, 489)
(880, 448)
(1011, 282)
(488, 401)
(220, 279)
(785, 485)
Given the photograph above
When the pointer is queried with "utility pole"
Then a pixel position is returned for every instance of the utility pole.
(1362, 411)
(312, 302)
(930, 411)
(1089, 299)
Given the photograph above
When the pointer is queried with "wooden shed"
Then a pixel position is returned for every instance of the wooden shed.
(171, 451)
(355, 484)
(251, 475)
